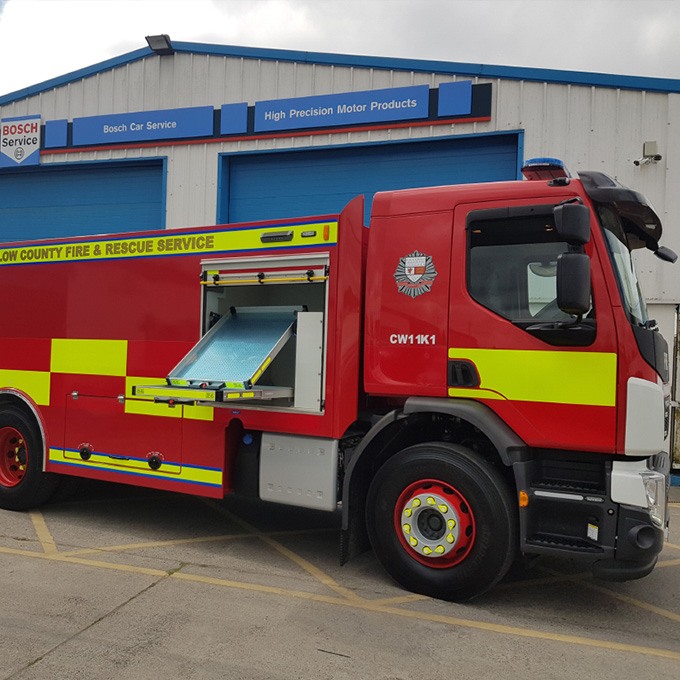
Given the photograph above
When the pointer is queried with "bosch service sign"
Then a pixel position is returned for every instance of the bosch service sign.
(19, 141)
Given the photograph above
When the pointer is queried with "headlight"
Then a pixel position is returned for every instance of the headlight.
(655, 491)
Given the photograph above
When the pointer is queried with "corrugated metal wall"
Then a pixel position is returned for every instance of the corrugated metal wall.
(592, 128)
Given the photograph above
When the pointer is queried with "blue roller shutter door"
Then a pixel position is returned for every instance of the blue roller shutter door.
(298, 183)
(78, 200)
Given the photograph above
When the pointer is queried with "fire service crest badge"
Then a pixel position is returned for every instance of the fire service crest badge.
(415, 274)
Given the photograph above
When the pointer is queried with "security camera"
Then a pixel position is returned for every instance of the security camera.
(646, 160)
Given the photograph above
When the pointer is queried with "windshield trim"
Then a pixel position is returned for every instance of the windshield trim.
(623, 266)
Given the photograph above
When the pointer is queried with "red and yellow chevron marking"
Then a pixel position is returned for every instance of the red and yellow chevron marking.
(96, 357)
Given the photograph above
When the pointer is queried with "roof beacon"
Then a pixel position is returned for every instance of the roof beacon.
(545, 169)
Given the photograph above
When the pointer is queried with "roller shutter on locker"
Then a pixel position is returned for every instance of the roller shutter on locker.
(85, 199)
(299, 183)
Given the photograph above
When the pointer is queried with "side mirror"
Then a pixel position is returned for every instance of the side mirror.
(572, 222)
(573, 283)
(665, 254)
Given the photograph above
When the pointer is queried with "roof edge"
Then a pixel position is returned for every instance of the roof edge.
(92, 70)
(563, 77)
(612, 80)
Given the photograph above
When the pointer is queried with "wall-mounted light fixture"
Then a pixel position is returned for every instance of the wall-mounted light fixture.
(650, 154)
(160, 44)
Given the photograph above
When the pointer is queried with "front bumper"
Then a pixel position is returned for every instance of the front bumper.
(639, 542)
(616, 518)
(641, 531)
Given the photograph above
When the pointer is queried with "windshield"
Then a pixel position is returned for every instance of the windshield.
(633, 301)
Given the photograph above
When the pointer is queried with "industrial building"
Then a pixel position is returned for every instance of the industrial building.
(176, 134)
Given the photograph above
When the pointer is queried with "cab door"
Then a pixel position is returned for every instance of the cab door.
(548, 374)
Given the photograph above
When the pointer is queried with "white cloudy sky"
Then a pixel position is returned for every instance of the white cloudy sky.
(42, 39)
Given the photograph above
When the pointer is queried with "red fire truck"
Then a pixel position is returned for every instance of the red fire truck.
(472, 377)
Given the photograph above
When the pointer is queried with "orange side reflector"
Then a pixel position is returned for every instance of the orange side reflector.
(523, 499)
(326, 232)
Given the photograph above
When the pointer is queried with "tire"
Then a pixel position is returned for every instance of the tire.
(23, 484)
(442, 521)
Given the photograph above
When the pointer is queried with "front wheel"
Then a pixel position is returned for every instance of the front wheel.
(441, 521)
(23, 484)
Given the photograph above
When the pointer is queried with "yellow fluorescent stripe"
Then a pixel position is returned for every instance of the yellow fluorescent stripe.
(262, 369)
(89, 357)
(36, 384)
(199, 413)
(587, 378)
(240, 395)
(474, 393)
(170, 392)
(147, 407)
(151, 408)
(175, 472)
(135, 380)
(173, 244)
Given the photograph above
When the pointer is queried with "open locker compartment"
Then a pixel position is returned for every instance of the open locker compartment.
(264, 334)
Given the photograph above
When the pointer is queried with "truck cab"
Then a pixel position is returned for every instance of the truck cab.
(508, 319)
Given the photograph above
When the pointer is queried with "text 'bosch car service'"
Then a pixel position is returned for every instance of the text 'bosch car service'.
(473, 377)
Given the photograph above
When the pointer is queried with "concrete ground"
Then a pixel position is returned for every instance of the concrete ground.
(132, 584)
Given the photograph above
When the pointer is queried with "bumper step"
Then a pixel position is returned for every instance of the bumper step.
(571, 543)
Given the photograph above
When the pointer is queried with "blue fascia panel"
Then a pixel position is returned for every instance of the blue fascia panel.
(139, 126)
(234, 118)
(455, 99)
(56, 133)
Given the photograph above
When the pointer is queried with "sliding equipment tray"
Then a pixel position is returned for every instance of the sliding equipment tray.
(176, 394)
(230, 358)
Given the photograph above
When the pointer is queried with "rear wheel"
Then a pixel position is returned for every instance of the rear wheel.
(23, 484)
(442, 521)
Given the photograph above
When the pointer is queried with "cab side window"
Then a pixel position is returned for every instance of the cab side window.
(512, 265)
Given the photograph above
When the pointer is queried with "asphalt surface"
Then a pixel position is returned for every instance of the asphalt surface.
(132, 584)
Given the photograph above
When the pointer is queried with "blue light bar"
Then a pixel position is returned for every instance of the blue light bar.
(544, 168)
